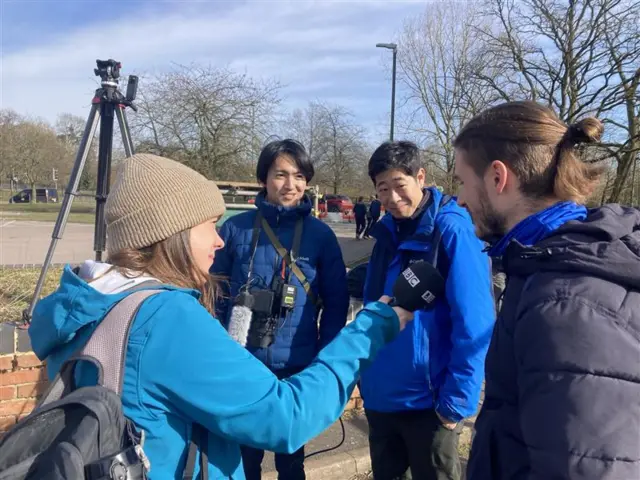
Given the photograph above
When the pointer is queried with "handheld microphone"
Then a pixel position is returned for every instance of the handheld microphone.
(418, 287)
(241, 316)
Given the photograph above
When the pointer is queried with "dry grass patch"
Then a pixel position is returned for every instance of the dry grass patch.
(17, 286)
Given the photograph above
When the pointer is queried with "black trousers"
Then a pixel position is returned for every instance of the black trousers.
(361, 224)
(288, 466)
(414, 441)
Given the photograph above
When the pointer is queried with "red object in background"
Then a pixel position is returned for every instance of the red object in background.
(336, 203)
(331, 203)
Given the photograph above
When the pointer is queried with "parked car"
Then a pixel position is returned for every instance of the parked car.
(43, 195)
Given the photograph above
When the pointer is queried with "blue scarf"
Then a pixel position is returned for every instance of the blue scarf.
(537, 226)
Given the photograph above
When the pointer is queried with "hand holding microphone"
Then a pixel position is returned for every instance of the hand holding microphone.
(404, 316)
(417, 288)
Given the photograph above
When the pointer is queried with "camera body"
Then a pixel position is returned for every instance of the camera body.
(267, 308)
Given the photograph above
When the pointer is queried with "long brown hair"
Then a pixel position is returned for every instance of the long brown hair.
(171, 262)
(537, 146)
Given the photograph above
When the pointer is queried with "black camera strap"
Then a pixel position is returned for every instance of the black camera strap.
(288, 256)
(255, 236)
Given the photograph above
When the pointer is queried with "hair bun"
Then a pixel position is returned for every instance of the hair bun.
(587, 130)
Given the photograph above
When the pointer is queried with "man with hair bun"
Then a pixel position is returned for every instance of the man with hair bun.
(563, 369)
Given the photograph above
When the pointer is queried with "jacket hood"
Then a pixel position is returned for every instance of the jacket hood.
(83, 298)
(278, 213)
(606, 244)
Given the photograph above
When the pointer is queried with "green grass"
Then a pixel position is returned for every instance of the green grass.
(45, 207)
(50, 217)
(82, 209)
(44, 212)
(81, 212)
(17, 286)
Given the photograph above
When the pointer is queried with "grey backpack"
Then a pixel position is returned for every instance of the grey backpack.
(82, 433)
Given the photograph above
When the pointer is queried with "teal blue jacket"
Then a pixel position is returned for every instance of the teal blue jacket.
(183, 368)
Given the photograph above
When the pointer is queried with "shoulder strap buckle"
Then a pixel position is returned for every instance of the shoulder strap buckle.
(288, 256)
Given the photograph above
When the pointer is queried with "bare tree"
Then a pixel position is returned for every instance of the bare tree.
(622, 43)
(70, 129)
(334, 142)
(9, 119)
(206, 117)
(580, 57)
(438, 54)
(309, 127)
(343, 146)
(32, 150)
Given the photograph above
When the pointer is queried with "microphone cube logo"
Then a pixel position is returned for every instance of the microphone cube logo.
(411, 277)
(428, 297)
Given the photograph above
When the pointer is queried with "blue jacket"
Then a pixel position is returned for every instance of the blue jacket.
(438, 361)
(182, 367)
(375, 208)
(360, 210)
(300, 335)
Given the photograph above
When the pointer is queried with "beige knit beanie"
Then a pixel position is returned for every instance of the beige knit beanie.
(154, 198)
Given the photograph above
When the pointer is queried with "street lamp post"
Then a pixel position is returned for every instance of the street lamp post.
(394, 47)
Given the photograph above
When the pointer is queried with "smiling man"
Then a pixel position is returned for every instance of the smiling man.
(423, 384)
(289, 278)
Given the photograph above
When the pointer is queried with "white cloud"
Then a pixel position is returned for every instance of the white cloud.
(311, 47)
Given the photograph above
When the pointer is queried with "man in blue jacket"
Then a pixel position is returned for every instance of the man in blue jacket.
(424, 383)
(252, 262)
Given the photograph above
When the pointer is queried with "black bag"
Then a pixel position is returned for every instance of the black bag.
(82, 433)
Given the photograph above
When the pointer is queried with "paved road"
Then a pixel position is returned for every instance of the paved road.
(27, 242)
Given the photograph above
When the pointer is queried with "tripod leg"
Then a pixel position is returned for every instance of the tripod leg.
(107, 114)
(69, 194)
(124, 131)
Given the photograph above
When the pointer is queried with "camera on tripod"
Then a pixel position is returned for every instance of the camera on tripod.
(107, 106)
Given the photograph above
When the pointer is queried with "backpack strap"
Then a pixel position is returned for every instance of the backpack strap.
(106, 348)
(199, 441)
(108, 344)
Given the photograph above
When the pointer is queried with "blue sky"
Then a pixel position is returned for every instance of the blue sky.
(322, 50)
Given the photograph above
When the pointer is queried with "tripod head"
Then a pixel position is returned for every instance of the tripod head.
(109, 73)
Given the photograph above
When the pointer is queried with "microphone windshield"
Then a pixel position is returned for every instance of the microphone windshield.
(418, 287)
(241, 317)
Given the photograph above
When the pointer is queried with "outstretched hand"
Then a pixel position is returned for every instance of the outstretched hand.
(404, 316)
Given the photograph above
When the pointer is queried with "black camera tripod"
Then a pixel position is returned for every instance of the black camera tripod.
(108, 102)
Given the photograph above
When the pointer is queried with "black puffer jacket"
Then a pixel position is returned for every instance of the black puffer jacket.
(562, 395)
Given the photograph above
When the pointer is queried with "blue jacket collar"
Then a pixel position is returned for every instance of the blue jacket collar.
(425, 226)
(537, 226)
(278, 214)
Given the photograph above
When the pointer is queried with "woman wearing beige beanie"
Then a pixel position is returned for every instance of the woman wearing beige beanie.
(181, 366)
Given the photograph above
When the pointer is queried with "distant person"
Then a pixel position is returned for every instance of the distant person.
(181, 366)
(360, 212)
(423, 385)
(292, 335)
(374, 215)
(562, 395)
